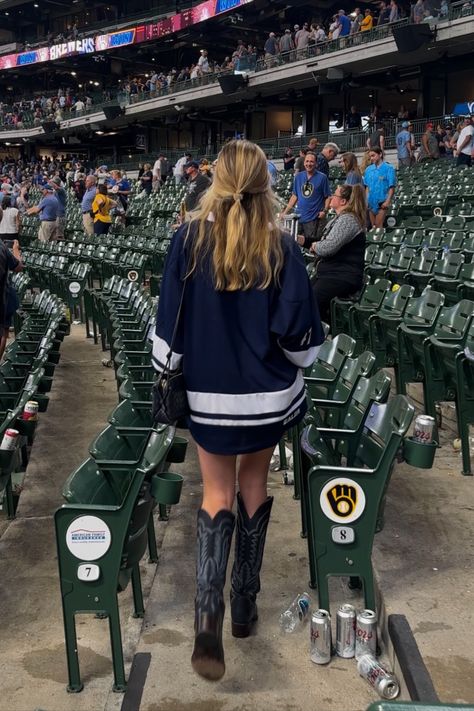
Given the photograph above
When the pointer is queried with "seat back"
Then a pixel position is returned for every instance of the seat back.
(402, 259)
(395, 302)
(384, 428)
(424, 262)
(423, 310)
(368, 390)
(374, 293)
(331, 357)
(454, 321)
(448, 266)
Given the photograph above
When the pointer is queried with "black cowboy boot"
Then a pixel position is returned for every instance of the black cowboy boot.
(214, 536)
(249, 545)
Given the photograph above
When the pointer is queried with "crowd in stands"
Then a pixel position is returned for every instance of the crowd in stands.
(65, 103)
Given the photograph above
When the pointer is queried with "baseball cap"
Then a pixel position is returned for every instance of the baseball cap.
(429, 125)
(192, 164)
(296, 27)
(405, 124)
(287, 29)
(57, 180)
(48, 187)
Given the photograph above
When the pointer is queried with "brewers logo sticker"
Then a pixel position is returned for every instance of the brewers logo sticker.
(342, 500)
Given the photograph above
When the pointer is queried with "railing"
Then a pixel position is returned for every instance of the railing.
(456, 11)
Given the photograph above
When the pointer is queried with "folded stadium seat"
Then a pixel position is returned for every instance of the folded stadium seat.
(396, 237)
(446, 269)
(412, 222)
(376, 235)
(369, 303)
(380, 262)
(420, 312)
(451, 326)
(421, 270)
(392, 307)
(466, 278)
(385, 428)
(454, 241)
(322, 375)
(453, 224)
(340, 309)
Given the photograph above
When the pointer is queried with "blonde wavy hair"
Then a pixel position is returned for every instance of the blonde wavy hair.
(243, 236)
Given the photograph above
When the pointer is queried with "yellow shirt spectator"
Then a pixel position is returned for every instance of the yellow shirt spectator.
(367, 23)
(101, 207)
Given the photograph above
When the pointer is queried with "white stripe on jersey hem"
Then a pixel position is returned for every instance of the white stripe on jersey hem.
(249, 422)
(160, 353)
(302, 359)
(245, 403)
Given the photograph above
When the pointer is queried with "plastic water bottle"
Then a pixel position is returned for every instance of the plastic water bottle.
(446, 251)
(297, 613)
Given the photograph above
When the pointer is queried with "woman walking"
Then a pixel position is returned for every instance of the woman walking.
(340, 252)
(248, 325)
(10, 222)
(101, 207)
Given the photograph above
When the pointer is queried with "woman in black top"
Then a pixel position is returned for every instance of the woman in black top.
(341, 250)
(146, 180)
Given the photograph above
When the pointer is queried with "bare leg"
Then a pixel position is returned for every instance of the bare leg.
(218, 478)
(373, 218)
(379, 218)
(253, 474)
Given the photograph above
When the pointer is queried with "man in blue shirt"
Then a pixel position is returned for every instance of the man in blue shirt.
(404, 146)
(86, 204)
(311, 195)
(273, 171)
(47, 209)
(61, 195)
(344, 23)
(380, 181)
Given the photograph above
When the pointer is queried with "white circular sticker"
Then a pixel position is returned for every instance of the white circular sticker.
(391, 221)
(437, 212)
(132, 275)
(342, 500)
(88, 538)
(74, 287)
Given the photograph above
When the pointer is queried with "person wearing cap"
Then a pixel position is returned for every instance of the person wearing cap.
(101, 207)
(86, 204)
(178, 170)
(60, 193)
(286, 45)
(47, 209)
(404, 146)
(196, 186)
(271, 50)
(465, 142)
(102, 174)
(302, 41)
(429, 145)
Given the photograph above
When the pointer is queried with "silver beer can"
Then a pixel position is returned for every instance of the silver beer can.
(345, 631)
(366, 633)
(423, 431)
(320, 637)
(9, 439)
(384, 683)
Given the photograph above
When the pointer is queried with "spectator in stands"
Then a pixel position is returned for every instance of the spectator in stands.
(429, 149)
(354, 119)
(62, 197)
(418, 12)
(146, 180)
(86, 204)
(203, 62)
(10, 261)
(310, 195)
(178, 171)
(313, 144)
(340, 251)
(101, 207)
(328, 153)
(121, 187)
(47, 209)
(11, 221)
(247, 293)
(319, 35)
(344, 24)
(394, 11)
(197, 185)
(384, 14)
(302, 41)
(368, 21)
(205, 168)
(271, 50)
(351, 169)
(272, 171)
(380, 181)
(288, 159)
(465, 142)
(404, 145)
(299, 162)
(287, 45)
(357, 19)
(377, 138)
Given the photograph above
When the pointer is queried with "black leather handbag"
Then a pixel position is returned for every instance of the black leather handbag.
(170, 401)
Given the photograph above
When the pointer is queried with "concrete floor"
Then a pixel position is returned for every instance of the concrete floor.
(427, 518)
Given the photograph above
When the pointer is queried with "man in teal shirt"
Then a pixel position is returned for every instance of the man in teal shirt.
(380, 181)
